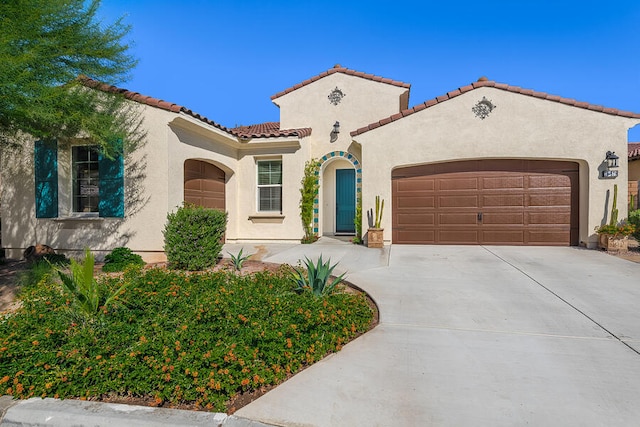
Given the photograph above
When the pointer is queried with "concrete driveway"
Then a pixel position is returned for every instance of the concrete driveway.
(477, 336)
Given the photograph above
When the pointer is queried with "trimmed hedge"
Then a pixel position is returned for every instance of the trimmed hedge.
(193, 237)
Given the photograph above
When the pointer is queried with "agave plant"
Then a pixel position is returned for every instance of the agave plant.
(238, 260)
(316, 277)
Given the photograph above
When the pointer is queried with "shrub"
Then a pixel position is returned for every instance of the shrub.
(316, 277)
(121, 258)
(634, 219)
(193, 237)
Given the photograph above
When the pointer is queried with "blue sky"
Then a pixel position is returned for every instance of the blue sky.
(224, 59)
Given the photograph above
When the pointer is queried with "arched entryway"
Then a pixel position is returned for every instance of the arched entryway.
(341, 184)
(204, 184)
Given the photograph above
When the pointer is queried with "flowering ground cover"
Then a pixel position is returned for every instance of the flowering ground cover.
(173, 338)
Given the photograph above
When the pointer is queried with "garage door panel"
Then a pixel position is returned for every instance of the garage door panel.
(550, 200)
(415, 236)
(503, 183)
(457, 219)
(493, 218)
(416, 184)
(549, 181)
(457, 184)
(503, 200)
(415, 218)
(415, 202)
(540, 218)
(455, 237)
(522, 202)
(549, 238)
(458, 201)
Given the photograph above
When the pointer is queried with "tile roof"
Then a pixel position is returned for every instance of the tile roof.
(484, 82)
(340, 69)
(265, 130)
(634, 150)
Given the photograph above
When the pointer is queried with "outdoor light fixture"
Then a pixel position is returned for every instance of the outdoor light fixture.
(612, 163)
(335, 131)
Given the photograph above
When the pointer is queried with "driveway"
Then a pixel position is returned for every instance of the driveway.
(478, 336)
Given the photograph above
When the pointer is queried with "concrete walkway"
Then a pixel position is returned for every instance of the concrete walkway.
(469, 336)
(482, 336)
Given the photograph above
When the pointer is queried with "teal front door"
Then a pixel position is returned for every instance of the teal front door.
(345, 200)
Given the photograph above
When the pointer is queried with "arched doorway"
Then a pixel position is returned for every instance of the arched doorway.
(204, 184)
(341, 183)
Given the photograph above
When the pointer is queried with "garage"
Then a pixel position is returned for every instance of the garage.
(204, 184)
(487, 202)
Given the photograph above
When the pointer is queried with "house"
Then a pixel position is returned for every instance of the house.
(487, 163)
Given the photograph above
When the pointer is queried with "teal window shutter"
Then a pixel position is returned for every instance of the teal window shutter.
(111, 185)
(46, 178)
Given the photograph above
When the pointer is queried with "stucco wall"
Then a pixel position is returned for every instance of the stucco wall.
(145, 202)
(520, 127)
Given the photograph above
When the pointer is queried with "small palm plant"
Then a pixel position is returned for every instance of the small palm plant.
(89, 295)
(238, 260)
(316, 277)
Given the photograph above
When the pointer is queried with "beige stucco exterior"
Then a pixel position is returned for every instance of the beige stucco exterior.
(520, 127)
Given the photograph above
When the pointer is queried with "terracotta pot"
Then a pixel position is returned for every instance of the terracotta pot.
(613, 243)
(375, 238)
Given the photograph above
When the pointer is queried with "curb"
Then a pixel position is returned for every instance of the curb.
(61, 413)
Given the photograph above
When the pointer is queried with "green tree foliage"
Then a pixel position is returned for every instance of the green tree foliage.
(47, 49)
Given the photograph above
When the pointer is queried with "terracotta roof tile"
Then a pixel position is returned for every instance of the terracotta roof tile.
(340, 69)
(482, 82)
(264, 130)
(634, 150)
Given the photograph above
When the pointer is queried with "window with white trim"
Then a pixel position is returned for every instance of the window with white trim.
(269, 185)
(86, 179)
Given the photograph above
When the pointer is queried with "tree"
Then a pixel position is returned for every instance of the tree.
(46, 49)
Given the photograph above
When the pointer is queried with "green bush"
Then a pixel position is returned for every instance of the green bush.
(175, 338)
(193, 237)
(634, 219)
(121, 258)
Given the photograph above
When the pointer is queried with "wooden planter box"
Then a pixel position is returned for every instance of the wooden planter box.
(375, 238)
(613, 243)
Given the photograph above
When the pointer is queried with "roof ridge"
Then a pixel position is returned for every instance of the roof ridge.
(177, 108)
(483, 82)
(340, 69)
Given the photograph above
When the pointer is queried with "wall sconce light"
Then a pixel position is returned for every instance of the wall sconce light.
(335, 131)
(611, 161)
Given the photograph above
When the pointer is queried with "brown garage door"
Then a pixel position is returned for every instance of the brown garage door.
(203, 184)
(493, 202)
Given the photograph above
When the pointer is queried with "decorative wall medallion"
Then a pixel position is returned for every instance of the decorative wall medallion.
(483, 108)
(336, 96)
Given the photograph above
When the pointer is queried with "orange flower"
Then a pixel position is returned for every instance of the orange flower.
(245, 381)
(289, 344)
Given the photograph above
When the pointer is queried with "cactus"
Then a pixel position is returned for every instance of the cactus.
(379, 209)
(632, 202)
(614, 207)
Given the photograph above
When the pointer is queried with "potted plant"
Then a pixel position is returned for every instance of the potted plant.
(614, 237)
(375, 234)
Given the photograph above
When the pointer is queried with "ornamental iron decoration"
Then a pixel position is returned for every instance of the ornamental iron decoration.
(336, 96)
(483, 108)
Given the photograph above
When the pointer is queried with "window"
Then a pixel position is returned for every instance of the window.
(269, 185)
(86, 179)
(97, 181)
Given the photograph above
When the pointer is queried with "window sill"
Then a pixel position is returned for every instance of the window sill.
(78, 218)
(267, 218)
